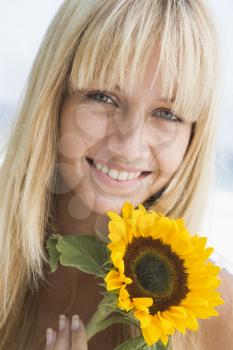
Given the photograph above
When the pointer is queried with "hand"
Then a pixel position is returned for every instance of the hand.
(69, 337)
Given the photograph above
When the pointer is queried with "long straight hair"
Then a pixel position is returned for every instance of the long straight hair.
(95, 41)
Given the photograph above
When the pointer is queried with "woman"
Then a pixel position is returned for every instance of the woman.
(122, 87)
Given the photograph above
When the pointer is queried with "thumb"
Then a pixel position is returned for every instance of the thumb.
(78, 334)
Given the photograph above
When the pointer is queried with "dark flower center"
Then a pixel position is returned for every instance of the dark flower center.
(157, 272)
(153, 273)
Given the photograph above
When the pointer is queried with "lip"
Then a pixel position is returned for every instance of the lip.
(102, 178)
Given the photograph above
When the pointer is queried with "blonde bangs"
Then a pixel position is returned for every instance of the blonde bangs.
(117, 41)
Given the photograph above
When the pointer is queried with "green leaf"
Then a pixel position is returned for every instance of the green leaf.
(54, 254)
(137, 343)
(83, 252)
(100, 326)
(160, 346)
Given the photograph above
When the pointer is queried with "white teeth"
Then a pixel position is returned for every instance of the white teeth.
(105, 169)
(115, 174)
(98, 165)
(123, 175)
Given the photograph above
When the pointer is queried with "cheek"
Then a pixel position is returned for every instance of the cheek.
(79, 129)
(170, 156)
(91, 124)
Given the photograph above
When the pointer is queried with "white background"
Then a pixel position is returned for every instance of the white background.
(22, 26)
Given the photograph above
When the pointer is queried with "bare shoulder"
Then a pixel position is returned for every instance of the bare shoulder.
(221, 327)
(216, 332)
(226, 286)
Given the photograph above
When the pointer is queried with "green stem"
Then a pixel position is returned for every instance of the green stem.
(102, 312)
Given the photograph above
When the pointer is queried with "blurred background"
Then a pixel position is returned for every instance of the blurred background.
(23, 24)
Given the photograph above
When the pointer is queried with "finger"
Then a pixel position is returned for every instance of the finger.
(78, 334)
(62, 341)
(50, 339)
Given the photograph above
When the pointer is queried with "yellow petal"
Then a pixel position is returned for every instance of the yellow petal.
(195, 301)
(113, 274)
(212, 268)
(196, 283)
(117, 231)
(113, 216)
(177, 322)
(124, 301)
(181, 224)
(156, 321)
(166, 323)
(123, 294)
(191, 321)
(134, 222)
(127, 210)
(202, 312)
(199, 242)
(121, 266)
(215, 301)
(146, 224)
(142, 208)
(152, 212)
(142, 304)
(181, 246)
(164, 225)
(117, 257)
(113, 280)
(128, 280)
(206, 253)
(204, 298)
(164, 338)
(151, 334)
(178, 311)
(113, 284)
(117, 246)
(143, 317)
(175, 226)
(125, 304)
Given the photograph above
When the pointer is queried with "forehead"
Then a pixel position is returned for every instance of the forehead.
(150, 84)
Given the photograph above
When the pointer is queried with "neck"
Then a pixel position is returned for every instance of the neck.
(72, 217)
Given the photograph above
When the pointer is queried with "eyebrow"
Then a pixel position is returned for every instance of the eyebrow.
(167, 99)
(161, 99)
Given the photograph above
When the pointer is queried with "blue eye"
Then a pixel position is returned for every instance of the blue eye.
(101, 97)
(168, 115)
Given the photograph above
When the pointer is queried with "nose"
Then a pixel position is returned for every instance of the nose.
(128, 138)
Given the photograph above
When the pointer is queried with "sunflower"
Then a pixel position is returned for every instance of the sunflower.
(160, 272)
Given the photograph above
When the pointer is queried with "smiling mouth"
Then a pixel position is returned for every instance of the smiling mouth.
(142, 175)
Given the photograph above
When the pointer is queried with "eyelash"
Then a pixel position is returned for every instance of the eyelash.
(102, 93)
(162, 111)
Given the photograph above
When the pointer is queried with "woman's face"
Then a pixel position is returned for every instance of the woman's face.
(137, 138)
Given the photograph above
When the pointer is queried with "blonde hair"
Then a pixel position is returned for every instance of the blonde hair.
(96, 41)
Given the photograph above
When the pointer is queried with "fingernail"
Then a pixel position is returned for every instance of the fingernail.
(62, 322)
(75, 323)
(49, 336)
